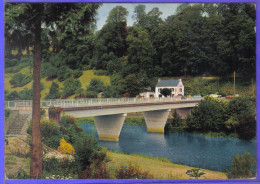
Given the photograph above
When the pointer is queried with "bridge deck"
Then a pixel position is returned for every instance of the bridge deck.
(126, 105)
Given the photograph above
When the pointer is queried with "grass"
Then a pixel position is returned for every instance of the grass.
(10, 160)
(85, 120)
(128, 121)
(85, 79)
(158, 167)
(212, 85)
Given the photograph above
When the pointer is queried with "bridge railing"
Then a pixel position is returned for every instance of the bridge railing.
(93, 101)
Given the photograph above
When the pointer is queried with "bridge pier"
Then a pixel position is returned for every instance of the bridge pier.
(156, 120)
(109, 126)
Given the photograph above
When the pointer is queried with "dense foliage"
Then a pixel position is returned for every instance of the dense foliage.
(72, 86)
(132, 172)
(209, 115)
(243, 166)
(199, 39)
(67, 137)
(216, 115)
(19, 80)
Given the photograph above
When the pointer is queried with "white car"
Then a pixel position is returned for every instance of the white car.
(215, 95)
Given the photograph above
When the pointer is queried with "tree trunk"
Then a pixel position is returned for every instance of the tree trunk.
(36, 152)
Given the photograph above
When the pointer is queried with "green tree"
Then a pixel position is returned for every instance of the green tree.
(96, 85)
(243, 166)
(209, 115)
(166, 92)
(176, 121)
(11, 95)
(239, 37)
(71, 86)
(23, 28)
(140, 51)
(139, 13)
(117, 14)
(247, 127)
(239, 107)
(130, 84)
(54, 91)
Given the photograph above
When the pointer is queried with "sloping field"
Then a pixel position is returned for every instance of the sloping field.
(85, 79)
(158, 168)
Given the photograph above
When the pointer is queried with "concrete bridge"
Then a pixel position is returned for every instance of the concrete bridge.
(109, 113)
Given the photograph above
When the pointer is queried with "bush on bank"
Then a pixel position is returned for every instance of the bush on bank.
(243, 166)
(89, 161)
(236, 116)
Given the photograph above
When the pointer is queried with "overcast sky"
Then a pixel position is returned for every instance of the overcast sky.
(166, 8)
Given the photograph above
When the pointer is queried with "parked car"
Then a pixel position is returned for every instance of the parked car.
(215, 95)
(197, 96)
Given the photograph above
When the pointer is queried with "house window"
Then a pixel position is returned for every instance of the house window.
(180, 90)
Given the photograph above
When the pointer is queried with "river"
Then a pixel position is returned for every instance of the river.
(194, 150)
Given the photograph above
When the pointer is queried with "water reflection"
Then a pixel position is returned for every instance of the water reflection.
(181, 148)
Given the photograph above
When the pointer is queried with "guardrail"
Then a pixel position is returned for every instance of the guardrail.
(93, 101)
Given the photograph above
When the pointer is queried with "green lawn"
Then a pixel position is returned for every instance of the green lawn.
(159, 168)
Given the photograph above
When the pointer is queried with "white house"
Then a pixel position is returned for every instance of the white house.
(176, 87)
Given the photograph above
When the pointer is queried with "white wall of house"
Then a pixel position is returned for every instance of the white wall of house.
(175, 90)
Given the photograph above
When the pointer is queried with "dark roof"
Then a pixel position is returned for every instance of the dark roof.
(165, 83)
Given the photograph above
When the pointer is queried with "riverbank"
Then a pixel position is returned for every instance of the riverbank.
(158, 167)
(138, 120)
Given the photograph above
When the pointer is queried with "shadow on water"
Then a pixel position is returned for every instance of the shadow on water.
(211, 153)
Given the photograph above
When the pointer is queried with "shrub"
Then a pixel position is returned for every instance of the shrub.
(10, 62)
(132, 172)
(77, 73)
(54, 91)
(243, 166)
(91, 94)
(50, 132)
(58, 164)
(176, 121)
(134, 121)
(49, 128)
(100, 72)
(26, 94)
(240, 107)
(85, 148)
(166, 92)
(96, 85)
(19, 80)
(208, 115)
(71, 86)
(70, 119)
(13, 95)
(96, 170)
(66, 148)
(63, 73)
(7, 112)
(247, 127)
(48, 70)
(195, 173)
